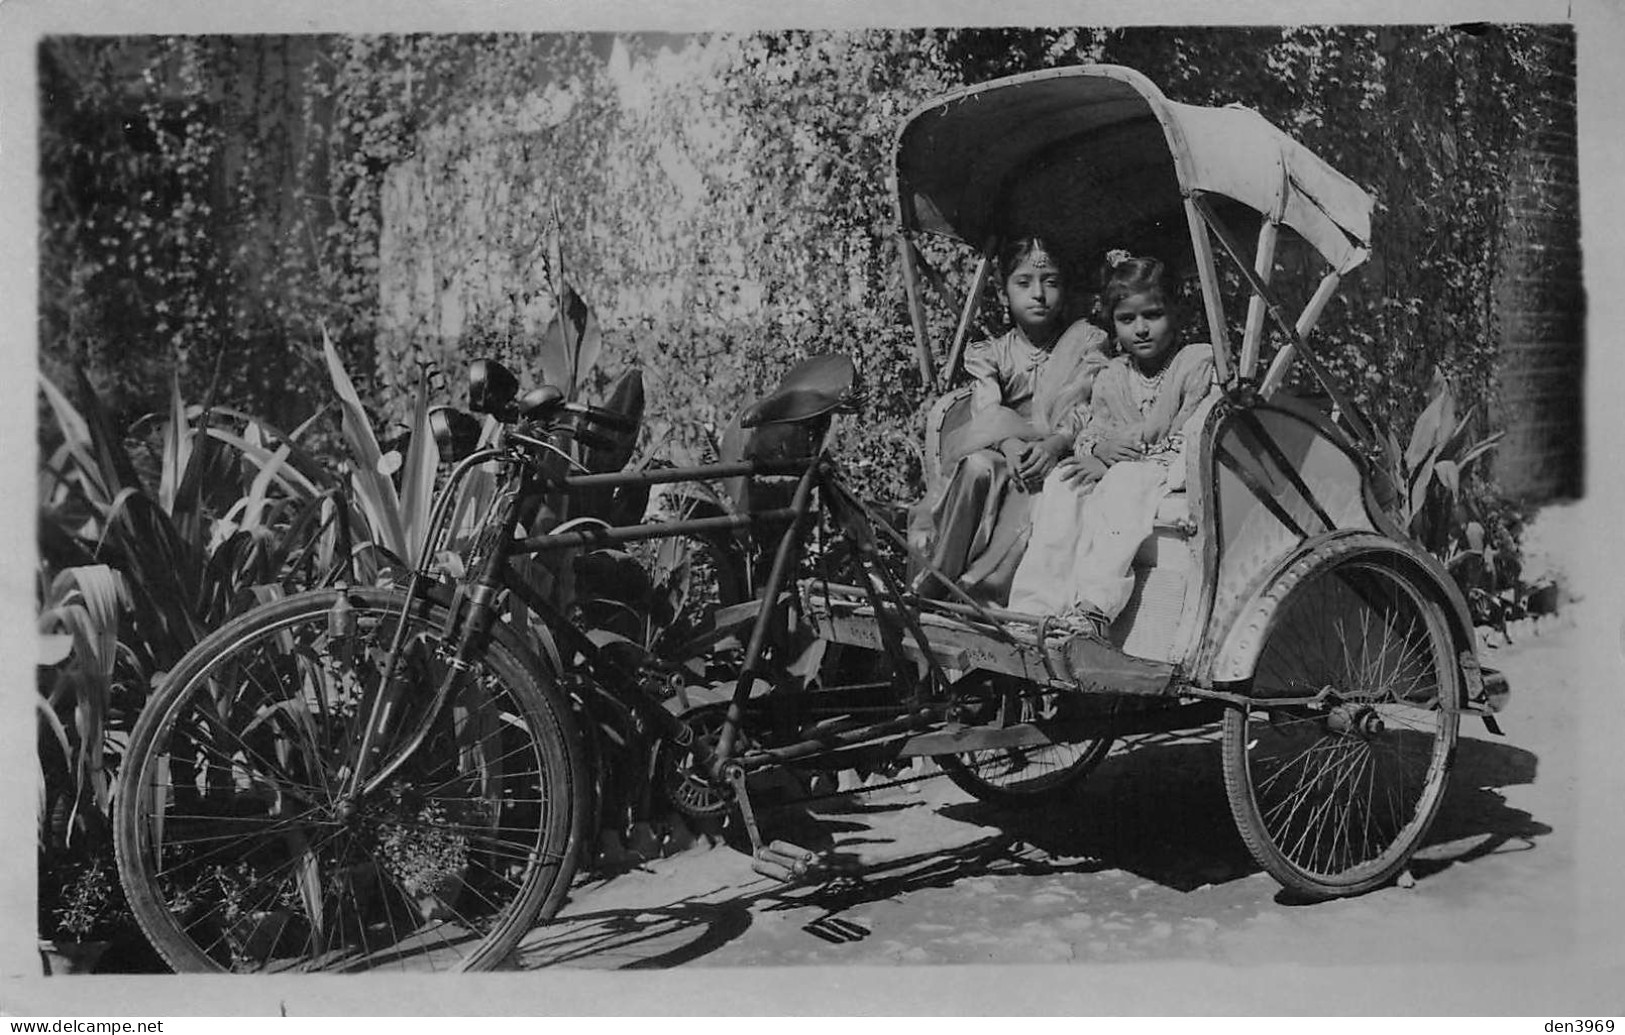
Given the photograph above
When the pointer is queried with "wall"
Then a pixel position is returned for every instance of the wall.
(1541, 302)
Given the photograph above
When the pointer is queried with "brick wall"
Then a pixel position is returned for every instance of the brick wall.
(1541, 300)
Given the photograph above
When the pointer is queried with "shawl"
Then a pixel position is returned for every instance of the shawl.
(1112, 410)
(1059, 398)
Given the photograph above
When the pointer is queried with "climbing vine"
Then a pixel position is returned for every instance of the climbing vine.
(210, 204)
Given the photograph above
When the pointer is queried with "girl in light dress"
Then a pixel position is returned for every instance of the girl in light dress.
(1029, 390)
(1098, 506)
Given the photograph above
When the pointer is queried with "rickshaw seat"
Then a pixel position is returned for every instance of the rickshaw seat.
(952, 411)
(812, 388)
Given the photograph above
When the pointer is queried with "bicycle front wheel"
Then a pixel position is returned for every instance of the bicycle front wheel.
(243, 847)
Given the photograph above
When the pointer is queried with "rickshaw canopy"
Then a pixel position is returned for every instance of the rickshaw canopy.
(1096, 154)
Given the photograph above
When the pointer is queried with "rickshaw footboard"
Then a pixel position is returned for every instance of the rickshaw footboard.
(1023, 646)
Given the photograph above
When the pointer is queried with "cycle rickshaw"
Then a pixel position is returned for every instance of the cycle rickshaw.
(356, 778)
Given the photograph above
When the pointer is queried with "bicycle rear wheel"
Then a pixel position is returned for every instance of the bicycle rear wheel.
(240, 850)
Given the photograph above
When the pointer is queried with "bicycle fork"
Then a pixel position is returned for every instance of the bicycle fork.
(471, 617)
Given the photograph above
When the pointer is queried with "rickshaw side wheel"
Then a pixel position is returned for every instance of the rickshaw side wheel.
(1021, 778)
(1333, 794)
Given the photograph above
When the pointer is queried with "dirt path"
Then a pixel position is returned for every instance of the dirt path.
(1143, 866)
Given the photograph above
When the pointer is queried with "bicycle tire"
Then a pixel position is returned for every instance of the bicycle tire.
(1021, 778)
(1333, 800)
(238, 850)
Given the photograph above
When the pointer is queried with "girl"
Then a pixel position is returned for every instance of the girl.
(1028, 392)
(1085, 535)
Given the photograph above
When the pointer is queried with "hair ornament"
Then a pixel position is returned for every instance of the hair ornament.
(1116, 257)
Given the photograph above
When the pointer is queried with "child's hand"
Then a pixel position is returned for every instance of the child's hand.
(1114, 449)
(1038, 461)
(1080, 470)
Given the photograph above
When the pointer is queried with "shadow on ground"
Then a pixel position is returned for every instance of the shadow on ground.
(1157, 811)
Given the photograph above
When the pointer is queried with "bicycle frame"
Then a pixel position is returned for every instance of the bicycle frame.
(489, 573)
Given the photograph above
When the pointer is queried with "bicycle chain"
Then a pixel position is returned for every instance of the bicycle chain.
(868, 787)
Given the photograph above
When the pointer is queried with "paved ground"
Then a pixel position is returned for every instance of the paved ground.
(1144, 866)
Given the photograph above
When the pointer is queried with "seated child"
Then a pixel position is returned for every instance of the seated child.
(1098, 506)
(1029, 388)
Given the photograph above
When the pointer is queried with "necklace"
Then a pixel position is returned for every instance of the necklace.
(1147, 385)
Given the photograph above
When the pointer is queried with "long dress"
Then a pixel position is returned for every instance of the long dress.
(1084, 537)
(982, 517)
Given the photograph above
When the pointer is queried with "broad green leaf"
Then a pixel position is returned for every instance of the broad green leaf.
(1421, 482)
(375, 493)
(417, 480)
(290, 478)
(76, 439)
(112, 461)
(1432, 425)
(571, 344)
(1481, 448)
(87, 601)
(58, 731)
(1449, 475)
(177, 447)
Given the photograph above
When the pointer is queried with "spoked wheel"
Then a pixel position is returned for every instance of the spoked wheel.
(1333, 797)
(1024, 777)
(243, 847)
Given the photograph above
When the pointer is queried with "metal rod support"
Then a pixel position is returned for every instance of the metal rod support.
(704, 472)
(1203, 247)
(967, 313)
(916, 308)
(1362, 431)
(1263, 266)
(1306, 323)
(599, 536)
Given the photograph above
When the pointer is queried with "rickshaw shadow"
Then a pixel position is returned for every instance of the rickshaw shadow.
(1163, 814)
(1475, 820)
(1159, 814)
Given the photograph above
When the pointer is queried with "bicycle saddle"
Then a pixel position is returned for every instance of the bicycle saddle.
(811, 389)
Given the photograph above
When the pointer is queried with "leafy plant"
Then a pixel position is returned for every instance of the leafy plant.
(78, 629)
(1433, 472)
(90, 905)
(397, 517)
(422, 851)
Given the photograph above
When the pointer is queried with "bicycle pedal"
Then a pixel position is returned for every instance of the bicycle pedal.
(784, 861)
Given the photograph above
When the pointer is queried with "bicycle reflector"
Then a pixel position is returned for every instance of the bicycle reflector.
(455, 432)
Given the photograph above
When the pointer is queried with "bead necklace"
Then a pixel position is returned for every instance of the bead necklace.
(1148, 385)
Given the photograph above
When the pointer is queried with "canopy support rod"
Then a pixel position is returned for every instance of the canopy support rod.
(1345, 406)
(1203, 247)
(1252, 339)
(967, 313)
(1264, 267)
(1306, 323)
(916, 308)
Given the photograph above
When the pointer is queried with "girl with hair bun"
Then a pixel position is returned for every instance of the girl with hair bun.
(1099, 504)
